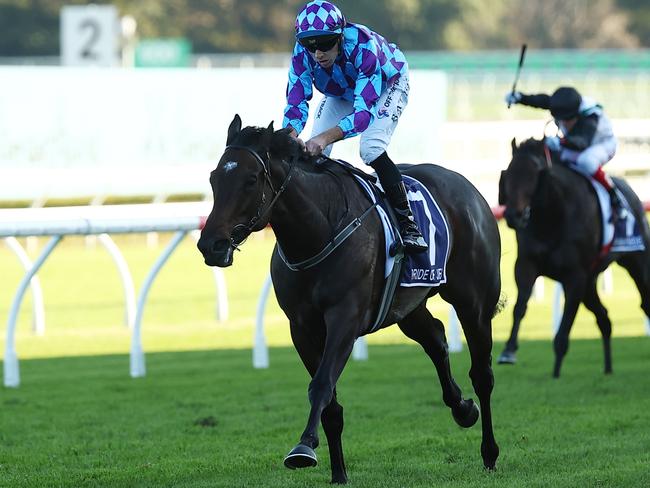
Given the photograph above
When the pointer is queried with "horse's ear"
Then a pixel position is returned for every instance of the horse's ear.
(502, 189)
(513, 144)
(267, 136)
(233, 129)
(285, 132)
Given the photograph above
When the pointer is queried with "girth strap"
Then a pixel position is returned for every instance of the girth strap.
(330, 247)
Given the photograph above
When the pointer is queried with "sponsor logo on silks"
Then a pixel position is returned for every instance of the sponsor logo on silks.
(382, 113)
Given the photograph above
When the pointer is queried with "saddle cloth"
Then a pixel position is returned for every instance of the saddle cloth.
(623, 236)
(422, 269)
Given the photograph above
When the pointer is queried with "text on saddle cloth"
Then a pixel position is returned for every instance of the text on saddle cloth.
(422, 269)
(625, 235)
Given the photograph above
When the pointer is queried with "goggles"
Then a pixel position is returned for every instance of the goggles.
(319, 43)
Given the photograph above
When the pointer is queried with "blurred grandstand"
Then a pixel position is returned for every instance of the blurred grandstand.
(477, 129)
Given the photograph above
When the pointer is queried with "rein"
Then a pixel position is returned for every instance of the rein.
(339, 239)
(330, 246)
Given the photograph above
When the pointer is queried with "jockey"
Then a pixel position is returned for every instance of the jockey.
(366, 84)
(587, 141)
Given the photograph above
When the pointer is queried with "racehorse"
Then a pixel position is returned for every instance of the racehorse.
(556, 216)
(264, 176)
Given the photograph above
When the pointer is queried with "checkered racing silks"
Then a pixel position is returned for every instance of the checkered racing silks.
(319, 17)
(366, 66)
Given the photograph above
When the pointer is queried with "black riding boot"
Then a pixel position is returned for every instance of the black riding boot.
(413, 240)
(391, 181)
(619, 212)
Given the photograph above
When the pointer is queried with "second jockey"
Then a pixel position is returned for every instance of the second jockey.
(587, 141)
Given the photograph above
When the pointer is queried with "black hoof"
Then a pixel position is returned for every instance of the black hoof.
(301, 456)
(507, 357)
(468, 415)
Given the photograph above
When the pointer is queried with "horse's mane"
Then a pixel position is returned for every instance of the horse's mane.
(535, 148)
(280, 146)
(283, 146)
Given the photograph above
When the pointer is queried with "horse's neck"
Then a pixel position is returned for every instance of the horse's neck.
(559, 196)
(548, 209)
(305, 215)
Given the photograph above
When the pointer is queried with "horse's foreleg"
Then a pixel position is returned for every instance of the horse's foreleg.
(337, 348)
(332, 420)
(525, 276)
(429, 332)
(574, 290)
(593, 303)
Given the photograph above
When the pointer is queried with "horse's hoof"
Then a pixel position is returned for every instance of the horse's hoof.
(301, 456)
(468, 416)
(507, 357)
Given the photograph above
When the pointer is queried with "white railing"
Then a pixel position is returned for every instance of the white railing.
(57, 222)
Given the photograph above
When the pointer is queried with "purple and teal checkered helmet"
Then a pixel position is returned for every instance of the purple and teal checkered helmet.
(319, 18)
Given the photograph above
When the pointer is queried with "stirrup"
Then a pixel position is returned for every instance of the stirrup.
(413, 240)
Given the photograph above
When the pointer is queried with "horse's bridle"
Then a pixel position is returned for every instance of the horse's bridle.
(261, 211)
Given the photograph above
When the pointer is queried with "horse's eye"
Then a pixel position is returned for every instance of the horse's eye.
(250, 181)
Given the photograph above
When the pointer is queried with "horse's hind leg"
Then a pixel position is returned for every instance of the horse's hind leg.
(593, 303)
(429, 332)
(638, 266)
(477, 325)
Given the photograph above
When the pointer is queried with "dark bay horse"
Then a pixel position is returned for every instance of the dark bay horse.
(265, 177)
(556, 216)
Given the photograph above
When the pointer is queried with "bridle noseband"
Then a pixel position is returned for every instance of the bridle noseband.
(261, 211)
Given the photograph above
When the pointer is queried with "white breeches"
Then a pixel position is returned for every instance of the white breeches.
(375, 139)
(588, 161)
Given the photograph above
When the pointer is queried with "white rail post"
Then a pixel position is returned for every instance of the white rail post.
(455, 343)
(38, 318)
(538, 289)
(607, 283)
(557, 306)
(125, 276)
(11, 369)
(222, 310)
(360, 349)
(260, 349)
(137, 363)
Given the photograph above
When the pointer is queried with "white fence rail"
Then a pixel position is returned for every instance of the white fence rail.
(181, 218)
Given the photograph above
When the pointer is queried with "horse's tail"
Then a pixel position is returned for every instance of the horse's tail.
(500, 305)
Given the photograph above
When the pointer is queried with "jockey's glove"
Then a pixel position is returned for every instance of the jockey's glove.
(553, 143)
(513, 97)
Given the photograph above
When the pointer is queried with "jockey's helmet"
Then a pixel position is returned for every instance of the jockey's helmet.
(319, 18)
(565, 103)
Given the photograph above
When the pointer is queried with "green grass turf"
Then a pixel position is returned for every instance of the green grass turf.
(204, 417)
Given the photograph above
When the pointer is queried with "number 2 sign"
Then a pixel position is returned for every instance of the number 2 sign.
(89, 35)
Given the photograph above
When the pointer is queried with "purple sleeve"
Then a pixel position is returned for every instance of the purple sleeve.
(299, 90)
(366, 92)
